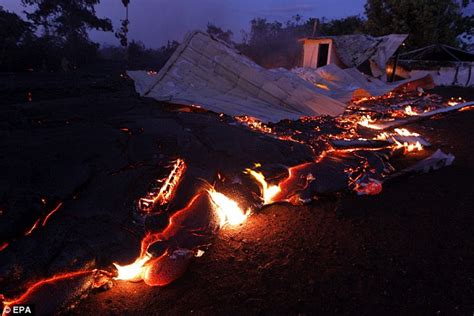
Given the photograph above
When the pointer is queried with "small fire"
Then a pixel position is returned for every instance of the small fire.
(165, 194)
(367, 121)
(409, 111)
(254, 124)
(133, 271)
(405, 132)
(268, 191)
(227, 210)
(454, 101)
(410, 147)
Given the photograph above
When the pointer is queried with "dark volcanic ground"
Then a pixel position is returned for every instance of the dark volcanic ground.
(409, 250)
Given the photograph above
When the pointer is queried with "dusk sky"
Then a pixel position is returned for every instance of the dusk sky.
(155, 21)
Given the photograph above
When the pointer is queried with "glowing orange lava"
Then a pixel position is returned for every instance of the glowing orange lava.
(54, 210)
(227, 210)
(268, 191)
(41, 283)
(133, 271)
(167, 190)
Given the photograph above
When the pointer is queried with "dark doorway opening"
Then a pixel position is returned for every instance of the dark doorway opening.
(323, 55)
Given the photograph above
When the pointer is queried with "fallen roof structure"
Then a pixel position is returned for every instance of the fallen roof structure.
(347, 84)
(447, 65)
(207, 72)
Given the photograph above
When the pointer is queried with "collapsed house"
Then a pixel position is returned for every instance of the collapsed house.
(447, 65)
(208, 73)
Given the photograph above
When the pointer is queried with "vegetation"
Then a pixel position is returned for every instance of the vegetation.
(57, 30)
(427, 21)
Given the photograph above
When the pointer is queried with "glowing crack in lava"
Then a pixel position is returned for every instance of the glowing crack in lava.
(167, 190)
(227, 210)
(268, 191)
(33, 293)
(187, 228)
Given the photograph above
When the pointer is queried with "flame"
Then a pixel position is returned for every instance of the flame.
(405, 132)
(133, 271)
(409, 111)
(453, 101)
(409, 147)
(227, 210)
(165, 194)
(367, 121)
(268, 192)
(254, 124)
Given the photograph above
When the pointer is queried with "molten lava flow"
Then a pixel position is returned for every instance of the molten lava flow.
(33, 227)
(227, 210)
(166, 193)
(298, 179)
(134, 271)
(190, 223)
(54, 210)
(39, 284)
(268, 192)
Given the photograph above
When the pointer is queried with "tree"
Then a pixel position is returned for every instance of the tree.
(122, 33)
(426, 21)
(13, 33)
(349, 25)
(69, 20)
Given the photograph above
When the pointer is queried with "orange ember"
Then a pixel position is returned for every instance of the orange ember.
(166, 193)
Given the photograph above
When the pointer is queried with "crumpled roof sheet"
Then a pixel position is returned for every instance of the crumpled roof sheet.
(354, 50)
(207, 72)
(347, 84)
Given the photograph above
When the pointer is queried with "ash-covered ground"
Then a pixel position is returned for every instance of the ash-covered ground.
(90, 145)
